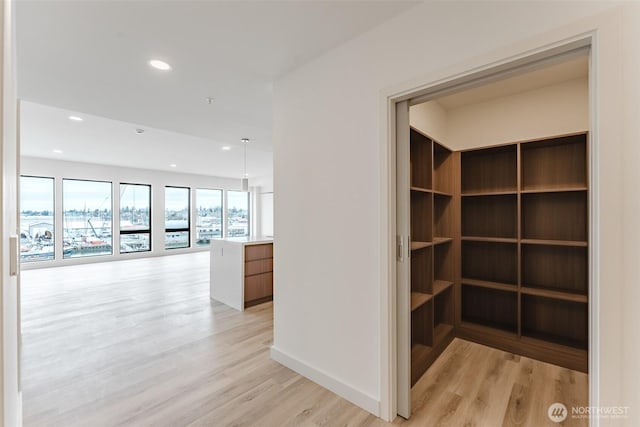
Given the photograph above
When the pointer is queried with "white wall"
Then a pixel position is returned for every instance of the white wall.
(431, 118)
(332, 168)
(548, 111)
(262, 196)
(157, 179)
(557, 109)
(630, 209)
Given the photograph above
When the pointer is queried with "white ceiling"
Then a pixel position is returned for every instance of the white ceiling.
(90, 58)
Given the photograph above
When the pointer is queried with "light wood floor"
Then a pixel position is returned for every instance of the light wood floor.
(139, 343)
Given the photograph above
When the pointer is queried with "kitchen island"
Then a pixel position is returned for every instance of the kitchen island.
(242, 271)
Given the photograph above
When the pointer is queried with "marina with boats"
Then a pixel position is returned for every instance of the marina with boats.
(91, 236)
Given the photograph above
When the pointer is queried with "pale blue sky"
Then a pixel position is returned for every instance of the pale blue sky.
(37, 194)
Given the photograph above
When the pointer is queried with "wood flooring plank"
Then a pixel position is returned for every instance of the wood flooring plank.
(139, 343)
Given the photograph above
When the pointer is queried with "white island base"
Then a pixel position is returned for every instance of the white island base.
(242, 271)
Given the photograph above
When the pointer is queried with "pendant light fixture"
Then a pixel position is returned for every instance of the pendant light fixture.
(245, 177)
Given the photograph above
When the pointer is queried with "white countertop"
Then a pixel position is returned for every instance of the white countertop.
(251, 240)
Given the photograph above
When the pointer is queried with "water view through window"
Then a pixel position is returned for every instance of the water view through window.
(36, 218)
(86, 218)
(209, 216)
(176, 217)
(237, 213)
(135, 218)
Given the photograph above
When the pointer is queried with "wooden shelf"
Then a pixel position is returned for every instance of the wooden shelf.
(434, 212)
(554, 162)
(487, 330)
(441, 240)
(553, 190)
(444, 223)
(421, 159)
(560, 321)
(440, 286)
(443, 169)
(490, 169)
(548, 293)
(576, 243)
(418, 299)
(441, 193)
(440, 332)
(518, 274)
(421, 216)
(566, 268)
(524, 250)
(490, 261)
(554, 216)
(420, 245)
(419, 350)
(495, 308)
(421, 190)
(489, 239)
(490, 216)
(421, 270)
(420, 358)
(501, 248)
(490, 193)
(490, 285)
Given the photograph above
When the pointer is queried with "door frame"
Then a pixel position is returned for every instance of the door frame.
(11, 395)
(451, 81)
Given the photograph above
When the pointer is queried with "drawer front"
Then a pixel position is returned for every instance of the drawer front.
(258, 267)
(254, 252)
(258, 286)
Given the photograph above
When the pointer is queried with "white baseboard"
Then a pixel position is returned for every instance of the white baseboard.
(343, 390)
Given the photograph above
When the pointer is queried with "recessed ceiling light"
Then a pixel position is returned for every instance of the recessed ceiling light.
(76, 118)
(173, 165)
(57, 151)
(159, 65)
(226, 148)
(139, 131)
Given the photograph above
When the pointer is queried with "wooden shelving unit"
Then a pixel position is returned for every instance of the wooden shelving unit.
(490, 170)
(524, 249)
(490, 307)
(500, 249)
(494, 216)
(433, 246)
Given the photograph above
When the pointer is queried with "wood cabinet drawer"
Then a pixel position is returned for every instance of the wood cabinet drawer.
(254, 252)
(258, 286)
(258, 266)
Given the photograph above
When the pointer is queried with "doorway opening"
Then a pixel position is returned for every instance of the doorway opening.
(494, 220)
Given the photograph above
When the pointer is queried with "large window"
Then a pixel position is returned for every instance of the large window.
(237, 213)
(86, 218)
(135, 218)
(36, 218)
(209, 215)
(176, 217)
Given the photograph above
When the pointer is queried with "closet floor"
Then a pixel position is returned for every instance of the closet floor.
(474, 385)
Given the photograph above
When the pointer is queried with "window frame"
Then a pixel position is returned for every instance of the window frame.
(222, 213)
(112, 253)
(178, 230)
(126, 232)
(248, 195)
(53, 215)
